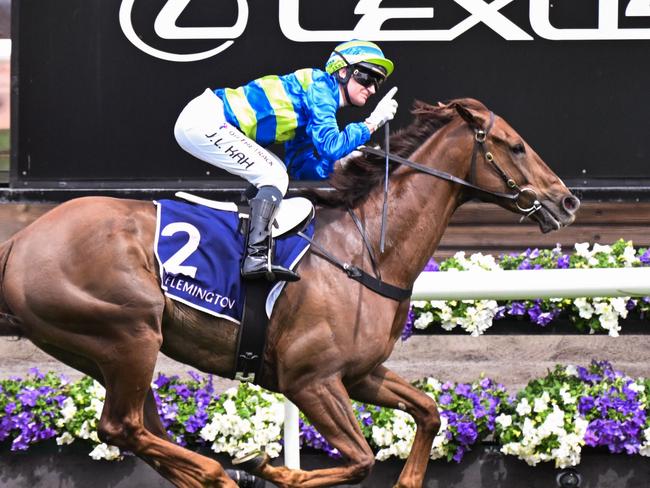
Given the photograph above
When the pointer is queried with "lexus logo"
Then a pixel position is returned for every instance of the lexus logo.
(372, 17)
(166, 28)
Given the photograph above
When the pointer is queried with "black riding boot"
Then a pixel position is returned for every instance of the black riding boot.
(257, 262)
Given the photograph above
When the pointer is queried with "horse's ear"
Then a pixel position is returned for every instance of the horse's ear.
(467, 115)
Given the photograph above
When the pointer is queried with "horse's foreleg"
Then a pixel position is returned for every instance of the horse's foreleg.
(328, 407)
(384, 388)
(122, 422)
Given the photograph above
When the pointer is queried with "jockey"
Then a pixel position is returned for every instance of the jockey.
(230, 128)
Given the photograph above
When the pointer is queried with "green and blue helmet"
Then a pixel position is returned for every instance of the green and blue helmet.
(364, 53)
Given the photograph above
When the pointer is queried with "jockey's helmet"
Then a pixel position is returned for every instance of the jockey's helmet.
(362, 53)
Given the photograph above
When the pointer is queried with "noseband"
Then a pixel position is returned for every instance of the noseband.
(480, 144)
(480, 138)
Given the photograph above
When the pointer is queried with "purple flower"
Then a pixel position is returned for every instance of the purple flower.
(563, 261)
(432, 265)
(161, 381)
(407, 331)
(525, 264)
(585, 404)
(445, 399)
(501, 312)
(29, 396)
(534, 312)
(588, 377)
(517, 308)
(36, 373)
(463, 389)
(645, 257)
(544, 319)
(458, 456)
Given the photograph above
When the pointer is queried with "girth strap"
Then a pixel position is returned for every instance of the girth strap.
(362, 231)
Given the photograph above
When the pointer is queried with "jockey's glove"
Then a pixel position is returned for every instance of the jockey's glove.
(384, 111)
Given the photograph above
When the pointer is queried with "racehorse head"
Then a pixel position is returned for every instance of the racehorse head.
(465, 139)
(506, 169)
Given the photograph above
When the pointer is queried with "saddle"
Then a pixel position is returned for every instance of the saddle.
(199, 246)
(293, 214)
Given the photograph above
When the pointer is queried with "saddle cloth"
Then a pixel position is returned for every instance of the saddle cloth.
(199, 251)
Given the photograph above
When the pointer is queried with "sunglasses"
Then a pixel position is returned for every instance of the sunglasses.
(367, 79)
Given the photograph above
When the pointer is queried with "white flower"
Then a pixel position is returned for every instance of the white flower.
(230, 407)
(65, 438)
(97, 405)
(423, 321)
(84, 430)
(571, 370)
(606, 249)
(97, 391)
(636, 387)
(619, 304)
(540, 404)
(103, 451)
(382, 436)
(434, 383)
(567, 398)
(68, 409)
(582, 249)
(645, 447)
(523, 407)
(629, 256)
(585, 309)
(419, 303)
(504, 420)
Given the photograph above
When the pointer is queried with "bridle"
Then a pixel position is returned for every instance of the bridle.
(480, 145)
(376, 283)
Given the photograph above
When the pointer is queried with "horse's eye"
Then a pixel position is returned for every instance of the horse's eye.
(518, 149)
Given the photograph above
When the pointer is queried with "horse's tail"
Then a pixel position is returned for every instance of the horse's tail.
(10, 325)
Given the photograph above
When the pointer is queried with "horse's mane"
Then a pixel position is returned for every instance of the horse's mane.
(352, 184)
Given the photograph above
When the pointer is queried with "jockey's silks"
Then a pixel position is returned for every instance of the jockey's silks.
(299, 110)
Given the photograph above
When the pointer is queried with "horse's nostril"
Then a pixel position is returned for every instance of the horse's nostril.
(570, 204)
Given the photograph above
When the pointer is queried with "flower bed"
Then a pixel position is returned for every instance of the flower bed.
(593, 315)
(551, 419)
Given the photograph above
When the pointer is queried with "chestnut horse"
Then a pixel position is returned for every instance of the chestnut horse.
(81, 283)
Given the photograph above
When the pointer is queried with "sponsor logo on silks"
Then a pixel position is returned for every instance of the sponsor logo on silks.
(373, 16)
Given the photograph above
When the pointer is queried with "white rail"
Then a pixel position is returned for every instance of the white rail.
(505, 285)
(5, 49)
(530, 284)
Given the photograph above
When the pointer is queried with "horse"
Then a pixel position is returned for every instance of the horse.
(81, 283)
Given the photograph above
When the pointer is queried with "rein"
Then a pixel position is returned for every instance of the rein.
(480, 137)
(375, 283)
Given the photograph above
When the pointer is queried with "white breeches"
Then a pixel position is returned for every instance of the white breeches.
(202, 130)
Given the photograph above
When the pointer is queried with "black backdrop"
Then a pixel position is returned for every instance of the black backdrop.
(91, 107)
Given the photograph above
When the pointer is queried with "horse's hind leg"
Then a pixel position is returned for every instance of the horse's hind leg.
(384, 388)
(122, 422)
(328, 407)
(152, 420)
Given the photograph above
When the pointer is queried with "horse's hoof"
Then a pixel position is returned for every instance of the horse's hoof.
(244, 479)
(251, 462)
